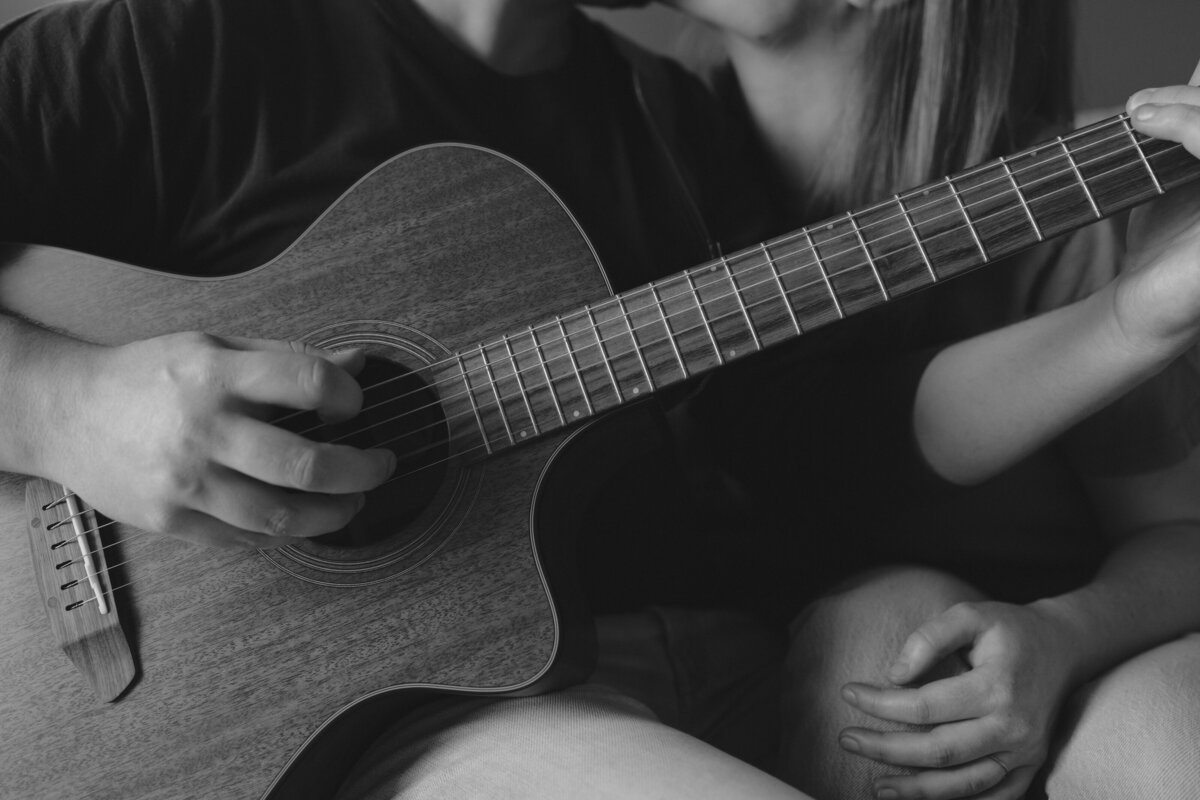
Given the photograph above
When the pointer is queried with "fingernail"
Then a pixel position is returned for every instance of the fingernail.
(391, 462)
(362, 501)
(1146, 113)
(898, 670)
(850, 743)
(849, 696)
(887, 793)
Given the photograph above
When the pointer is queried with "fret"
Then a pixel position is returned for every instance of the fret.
(522, 388)
(732, 326)
(908, 220)
(462, 364)
(667, 326)
(1172, 162)
(704, 321)
(1001, 215)
(757, 299)
(936, 212)
(867, 251)
(856, 283)
(885, 233)
(806, 292)
(737, 294)
(782, 291)
(824, 274)
(652, 334)
(491, 380)
(604, 355)
(1021, 197)
(1113, 170)
(962, 207)
(587, 401)
(637, 348)
(1141, 153)
(1079, 175)
(591, 359)
(1052, 188)
(695, 322)
(537, 346)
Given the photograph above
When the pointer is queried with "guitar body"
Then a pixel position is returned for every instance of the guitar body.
(244, 657)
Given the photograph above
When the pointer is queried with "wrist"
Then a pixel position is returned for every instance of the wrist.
(43, 379)
(1080, 636)
(1151, 340)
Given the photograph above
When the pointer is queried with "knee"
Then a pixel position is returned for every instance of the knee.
(852, 634)
(1133, 733)
(864, 623)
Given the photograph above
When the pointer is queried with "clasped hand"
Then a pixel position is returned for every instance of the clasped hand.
(173, 435)
(985, 730)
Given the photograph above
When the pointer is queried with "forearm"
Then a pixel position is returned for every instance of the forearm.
(1146, 593)
(987, 402)
(39, 387)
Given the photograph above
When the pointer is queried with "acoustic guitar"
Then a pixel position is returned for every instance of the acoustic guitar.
(138, 667)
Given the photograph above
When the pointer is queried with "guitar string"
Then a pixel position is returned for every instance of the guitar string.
(594, 330)
(129, 537)
(517, 372)
(599, 343)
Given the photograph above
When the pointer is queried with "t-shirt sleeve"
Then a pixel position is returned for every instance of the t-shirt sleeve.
(75, 145)
(1154, 425)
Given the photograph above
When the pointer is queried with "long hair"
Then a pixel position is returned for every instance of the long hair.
(950, 83)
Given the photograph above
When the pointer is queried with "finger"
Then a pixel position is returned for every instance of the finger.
(943, 746)
(351, 359)
(947, 700)
(967, 780)
(256, 507)
(1011, 788)
(1168, 95)
(1174, 123)
(939, 637)
(1195, 79)
(294, 380)
(199, 528)
(281, 458)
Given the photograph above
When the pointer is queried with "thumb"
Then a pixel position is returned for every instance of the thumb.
(934, 640)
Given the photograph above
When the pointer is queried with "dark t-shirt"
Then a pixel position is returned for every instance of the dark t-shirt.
(203, 136)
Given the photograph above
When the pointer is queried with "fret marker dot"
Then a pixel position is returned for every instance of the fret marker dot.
(733, 353)
(575, 413)
(523, 434)
(636, 390)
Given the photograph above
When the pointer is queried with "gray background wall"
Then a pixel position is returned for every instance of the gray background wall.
(1123, 45)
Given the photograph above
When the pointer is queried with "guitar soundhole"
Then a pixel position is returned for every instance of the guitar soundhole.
(400, 413)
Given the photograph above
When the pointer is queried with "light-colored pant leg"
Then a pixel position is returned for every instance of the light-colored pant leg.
(1132, 734)
(583, 743)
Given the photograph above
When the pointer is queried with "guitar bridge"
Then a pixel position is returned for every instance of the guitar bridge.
(77, 593)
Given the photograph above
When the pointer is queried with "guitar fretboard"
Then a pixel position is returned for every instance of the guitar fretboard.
(570, 368)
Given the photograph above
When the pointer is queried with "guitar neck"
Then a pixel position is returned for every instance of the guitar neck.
(603, 355)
